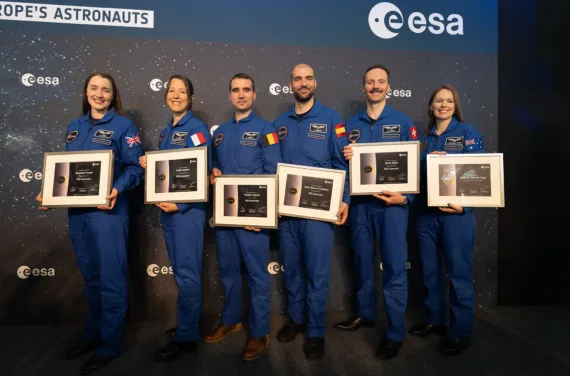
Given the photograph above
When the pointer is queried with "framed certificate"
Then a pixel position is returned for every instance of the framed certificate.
(245, 201)
(176, 176)
(466, 179)
(310, 192)
(390, 166)
(77, 179)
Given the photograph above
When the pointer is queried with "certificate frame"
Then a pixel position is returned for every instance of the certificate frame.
(56, 165)
(361, 183)
(227, 216)
(161, 161)
(291, 185)
(442, 180)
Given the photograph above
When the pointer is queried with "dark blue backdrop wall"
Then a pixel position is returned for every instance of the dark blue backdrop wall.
(47, 50)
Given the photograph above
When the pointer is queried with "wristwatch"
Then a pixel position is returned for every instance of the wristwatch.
(405, 202)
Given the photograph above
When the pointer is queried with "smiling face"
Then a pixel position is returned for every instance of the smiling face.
(99, 94)
(242, 94)
(303, 83)
(376, 85)
(443, 105)
(178, 98)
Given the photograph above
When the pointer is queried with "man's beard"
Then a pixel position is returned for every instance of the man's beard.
(300, 99)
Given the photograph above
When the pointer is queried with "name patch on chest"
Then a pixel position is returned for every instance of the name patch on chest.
(316, 136)
(391, 131)
(250, 136)
(454, 143)
(318, 128)
(101, 133)
(179, 138)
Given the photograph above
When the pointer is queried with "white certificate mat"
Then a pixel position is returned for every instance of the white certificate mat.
(66, 174)
(471, 180)
(385, 166)
(310, 192)
(179, 175)
(246, 201)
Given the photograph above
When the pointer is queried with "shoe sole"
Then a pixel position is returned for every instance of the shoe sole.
(237, 329)
(251, 359)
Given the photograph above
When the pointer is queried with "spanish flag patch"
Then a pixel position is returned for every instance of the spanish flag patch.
(340, 130)
(270, 139)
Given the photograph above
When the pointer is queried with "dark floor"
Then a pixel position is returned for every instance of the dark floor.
(508, 341)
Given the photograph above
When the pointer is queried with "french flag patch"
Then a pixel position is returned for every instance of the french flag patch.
(198, 139)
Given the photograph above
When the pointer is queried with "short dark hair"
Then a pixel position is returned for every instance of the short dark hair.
(376, 66)
(244, 76)
(187, 83)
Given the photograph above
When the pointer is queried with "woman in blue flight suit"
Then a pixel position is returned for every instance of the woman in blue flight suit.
(100, 235)
(183, 224)
(447, 232)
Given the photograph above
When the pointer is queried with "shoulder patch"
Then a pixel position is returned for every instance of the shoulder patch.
(270, 139)
(72, 136)
(354, 135)
(414, 133)
(282, 132)
(340, 130)
(219, 138)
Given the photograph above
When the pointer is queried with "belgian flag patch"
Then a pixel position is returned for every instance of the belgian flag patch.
(270, 139)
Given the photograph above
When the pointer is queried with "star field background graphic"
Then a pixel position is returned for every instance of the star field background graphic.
(34, 119)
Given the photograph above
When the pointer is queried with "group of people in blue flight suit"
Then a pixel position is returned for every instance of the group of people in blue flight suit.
(100, 235)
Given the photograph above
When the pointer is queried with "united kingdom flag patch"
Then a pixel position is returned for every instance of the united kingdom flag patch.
(133, 141)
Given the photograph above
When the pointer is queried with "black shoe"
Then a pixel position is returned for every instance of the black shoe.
(290, 331)
(95, 363)
(174, 350)
(315, 348)
(388, 349)
(453, 346)
(426, 330)
(80, 349)
(354, 324)
(171, 332)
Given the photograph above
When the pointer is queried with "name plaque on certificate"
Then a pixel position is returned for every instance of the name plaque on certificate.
(472, 180)
(245, 201)
(310, 192)
(77, 179)
(179, 175)
(390, 166)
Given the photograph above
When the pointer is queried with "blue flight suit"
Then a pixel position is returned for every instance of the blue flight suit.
(370, 216)
(451, 234)
(238, 148)
(306, 245)
(100, 237)
(184, 232)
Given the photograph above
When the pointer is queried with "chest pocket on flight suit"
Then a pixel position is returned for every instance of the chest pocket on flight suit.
(317, 142)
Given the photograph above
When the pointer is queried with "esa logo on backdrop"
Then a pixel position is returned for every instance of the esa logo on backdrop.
(28, 79)
(277, 89)
(386, 21)
(28, 175)
(25, 272)
(154, 270)
(158, 85)
(398, 93)
(274, 268)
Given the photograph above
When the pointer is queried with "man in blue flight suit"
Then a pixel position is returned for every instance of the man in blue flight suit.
(384, 214)
(447, 231)
(309, 135)
(245, 145)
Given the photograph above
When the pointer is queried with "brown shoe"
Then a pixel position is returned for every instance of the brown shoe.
(255, 348)
(221, 332)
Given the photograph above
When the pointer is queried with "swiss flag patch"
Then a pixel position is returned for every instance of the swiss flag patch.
(414, 133)
(198, 139)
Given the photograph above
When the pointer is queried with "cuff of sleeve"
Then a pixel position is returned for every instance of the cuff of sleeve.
(467, 210)
(119, 186)
(183, 208)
